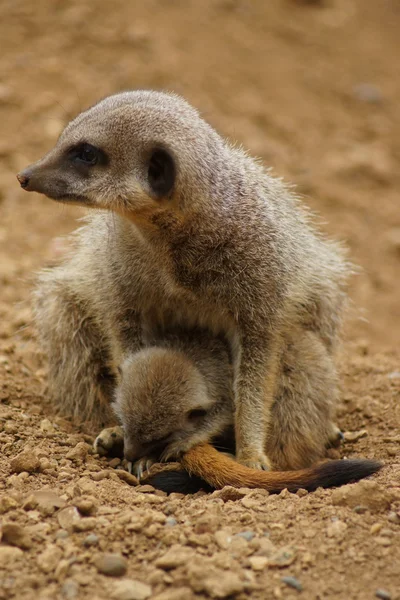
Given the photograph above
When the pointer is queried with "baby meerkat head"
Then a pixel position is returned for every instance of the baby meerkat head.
(130, 153)
(163, 405)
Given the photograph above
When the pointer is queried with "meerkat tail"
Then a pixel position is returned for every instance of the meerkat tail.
(204, 463)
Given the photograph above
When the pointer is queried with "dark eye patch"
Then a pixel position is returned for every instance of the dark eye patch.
(161, 172)
(86, 155)
(196, 414)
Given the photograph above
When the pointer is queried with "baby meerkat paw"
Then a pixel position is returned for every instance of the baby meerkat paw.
(110, 442)
(141, 466)
(335, 438)
(256, 460)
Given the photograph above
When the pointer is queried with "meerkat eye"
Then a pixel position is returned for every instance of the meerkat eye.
(86, 154)
(161, 173)
(196, 413)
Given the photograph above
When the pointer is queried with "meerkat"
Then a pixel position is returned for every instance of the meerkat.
(175, 399)
(193, 232)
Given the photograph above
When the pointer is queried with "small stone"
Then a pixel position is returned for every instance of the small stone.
(7, 503)
(62, 534)
(170, 522)
(48, 560)
(70, 589)
(8, 556)
(131, 589)
(146, 489)
(86, 506)
(229, 493)
(246, 535)
(127, 477)
(15, 535)
(25, 461)
(283, 558)
(375, 528)
(383, 595)
(368, 93)
(174, 557)
(258, 563)
(79, 452)
(68, 517)
(114, 462)
(113, 565)
(301, 493)
(394, 517)
(91, 540)
(360, 510)
(223, 538)
(394, 375)
(354, 436)
(46, 501)
(292, 582)
(46, 426)
(391, 451)
(214, 582)
(86, 524)
(337, 529)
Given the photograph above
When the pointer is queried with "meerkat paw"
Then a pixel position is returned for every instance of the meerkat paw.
(141, 466)
(256, 460)
(110, 442)
(335, 438)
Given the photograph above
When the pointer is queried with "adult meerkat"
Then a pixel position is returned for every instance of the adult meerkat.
(175, 399)
(194, 233)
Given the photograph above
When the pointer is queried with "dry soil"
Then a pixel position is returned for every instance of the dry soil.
(311, 87)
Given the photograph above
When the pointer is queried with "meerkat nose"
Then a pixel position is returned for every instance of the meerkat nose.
(23, 178)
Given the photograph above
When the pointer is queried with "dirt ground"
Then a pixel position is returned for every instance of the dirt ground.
(312, 87)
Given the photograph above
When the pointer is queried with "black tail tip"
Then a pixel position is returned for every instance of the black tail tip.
(179, 482)
(339, 472)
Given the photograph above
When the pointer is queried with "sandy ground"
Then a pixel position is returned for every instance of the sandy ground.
(312, 88)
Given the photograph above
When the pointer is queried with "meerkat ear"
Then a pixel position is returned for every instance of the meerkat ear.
(161, 173)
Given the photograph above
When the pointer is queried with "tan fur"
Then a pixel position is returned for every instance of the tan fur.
(161, 385)
(226, 247)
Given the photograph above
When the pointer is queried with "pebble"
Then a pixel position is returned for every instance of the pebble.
(223, 538)
(127, 477)
(79, 452)
(170, 522)
(15, 535)
(175, 557)
(229, 493)
(46, 501)
(394, 517)
(214, 582)
(363, 493)
(292, 582)
(47, 426)
(68, 517)
(394, 375)
(86, 524)
(91, 540)
(113, 565)
(48, 560)
(25, 461)
(283, 558)
(354, 436)
(7, 503)
(86, 506)
(131, 589)
(337, 529)
(70, 589)
(383, 595)
(247, 535)
(258, 563)
(368, 92)
(8, 556)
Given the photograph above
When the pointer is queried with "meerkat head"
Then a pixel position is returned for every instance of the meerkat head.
(130, 153)
(164, 406)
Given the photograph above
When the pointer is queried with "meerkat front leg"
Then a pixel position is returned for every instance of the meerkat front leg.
(256, 369)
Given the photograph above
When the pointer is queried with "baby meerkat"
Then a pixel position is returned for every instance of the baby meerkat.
(175, 399)
(194, 233)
